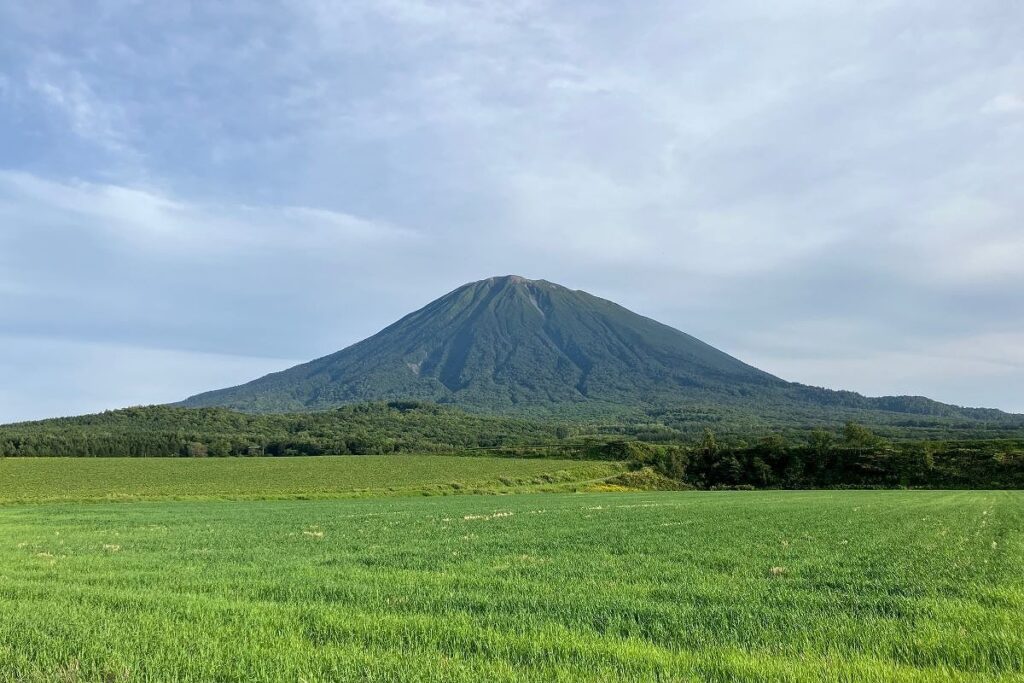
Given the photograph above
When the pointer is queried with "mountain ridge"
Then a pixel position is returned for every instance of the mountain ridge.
(512, 344)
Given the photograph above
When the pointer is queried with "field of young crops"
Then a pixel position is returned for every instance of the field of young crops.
(81, 479)
(858, 585)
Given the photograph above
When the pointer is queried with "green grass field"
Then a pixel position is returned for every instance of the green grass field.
(82, 479)
(857, 585)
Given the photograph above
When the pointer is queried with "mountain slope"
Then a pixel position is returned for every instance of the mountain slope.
(512, 344)
(504, 343)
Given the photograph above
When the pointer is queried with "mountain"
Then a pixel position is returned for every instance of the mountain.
(504, 343)
(508, 344)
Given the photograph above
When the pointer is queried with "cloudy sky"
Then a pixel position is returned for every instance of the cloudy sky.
(194, 194)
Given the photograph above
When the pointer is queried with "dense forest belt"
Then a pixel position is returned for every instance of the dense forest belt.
(163, 431)
(415, 427)
(975, 465)
(851, 456)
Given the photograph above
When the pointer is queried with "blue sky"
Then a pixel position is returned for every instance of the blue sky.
(194, 194)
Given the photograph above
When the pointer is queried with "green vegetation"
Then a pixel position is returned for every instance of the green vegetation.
(80, 479)
(161, 431)
(763, 586)
(510, 345)
(504, 344)
(808, 458)
(667, 584)
(411, 427)
(857, 459)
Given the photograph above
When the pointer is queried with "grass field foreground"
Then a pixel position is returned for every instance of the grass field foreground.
(82, 479)
(770, 586)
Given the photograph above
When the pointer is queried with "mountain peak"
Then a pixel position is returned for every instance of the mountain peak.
(509, 343)
(514, 280)
(503, 343)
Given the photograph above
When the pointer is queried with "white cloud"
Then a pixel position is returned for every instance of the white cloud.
(91, 117)
(965, 237)
(975, 370)
(73, 377)
(150, 219)
(735, 167)
(1005, 103)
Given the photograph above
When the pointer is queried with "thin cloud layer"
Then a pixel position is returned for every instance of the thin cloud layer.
(829, 190)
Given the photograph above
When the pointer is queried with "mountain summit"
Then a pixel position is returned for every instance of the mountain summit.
(509, 344)
(506, 343)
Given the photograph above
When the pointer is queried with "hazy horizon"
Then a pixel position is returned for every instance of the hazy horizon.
(193, 195)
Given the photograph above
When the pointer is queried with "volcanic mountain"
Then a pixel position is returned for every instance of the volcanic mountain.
(508, 344)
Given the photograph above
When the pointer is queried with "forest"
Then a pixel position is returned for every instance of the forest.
(853, 458)
(849, 455)
(364, 429)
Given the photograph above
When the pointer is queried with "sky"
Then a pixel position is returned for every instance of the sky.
(193, 194)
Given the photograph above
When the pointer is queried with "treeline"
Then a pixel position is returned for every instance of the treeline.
(374, 428)
(735, 423)
(818, 458)
(854, 458)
